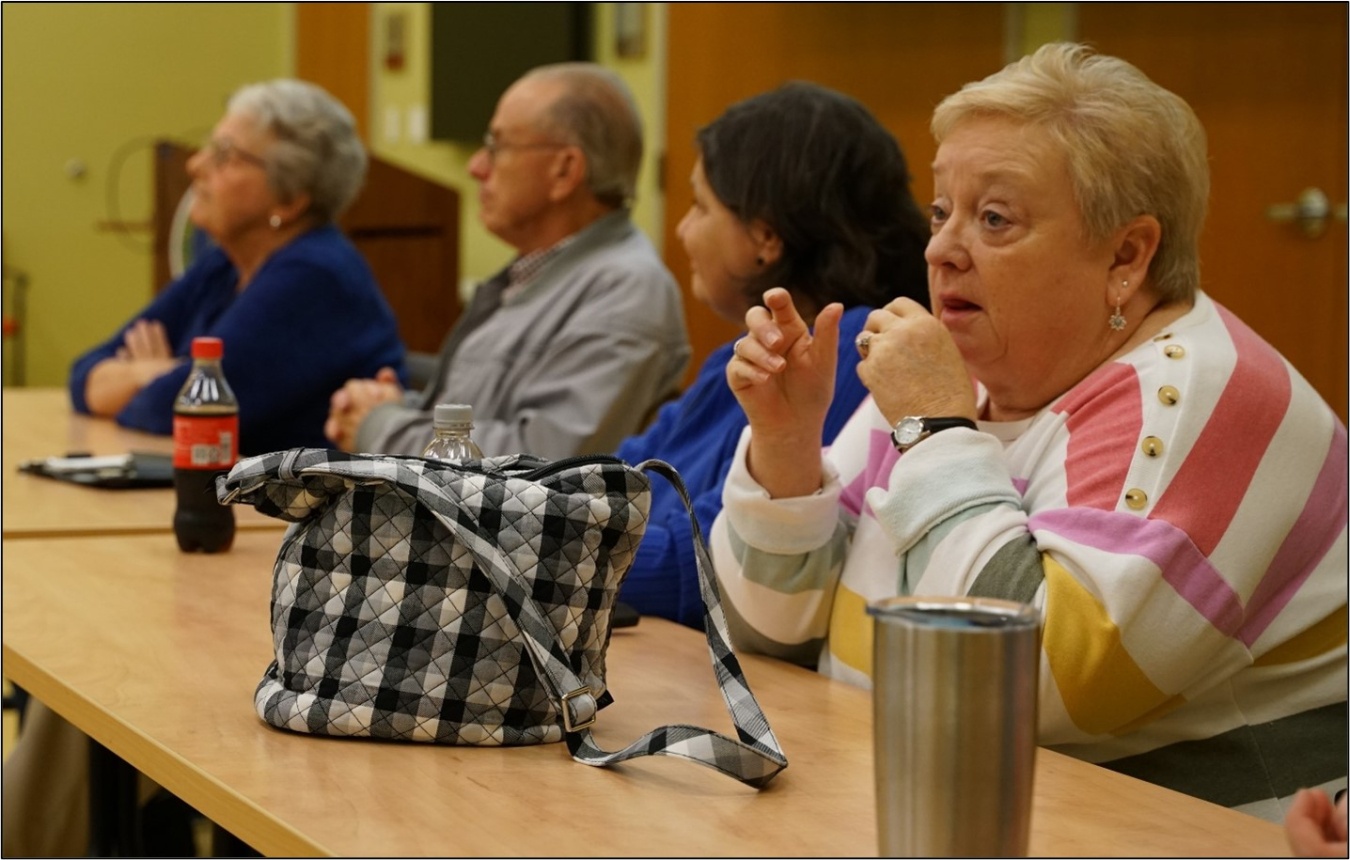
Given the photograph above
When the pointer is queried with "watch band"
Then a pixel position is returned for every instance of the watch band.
(913, 429)
(935, 424)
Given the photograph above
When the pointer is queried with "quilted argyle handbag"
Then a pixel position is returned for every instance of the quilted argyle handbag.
(469, 603)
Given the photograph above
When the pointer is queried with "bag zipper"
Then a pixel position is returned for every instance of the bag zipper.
(569, 462)
(538, 472)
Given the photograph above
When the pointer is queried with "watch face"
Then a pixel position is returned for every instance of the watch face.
(908, 431)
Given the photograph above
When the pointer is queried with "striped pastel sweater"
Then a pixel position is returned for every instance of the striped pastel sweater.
(1179, 517)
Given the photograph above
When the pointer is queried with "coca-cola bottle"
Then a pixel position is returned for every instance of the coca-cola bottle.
(205, 444)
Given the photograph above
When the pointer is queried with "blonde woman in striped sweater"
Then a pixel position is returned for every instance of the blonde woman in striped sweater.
(1076, 426)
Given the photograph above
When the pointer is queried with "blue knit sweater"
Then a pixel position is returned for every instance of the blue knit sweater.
(697, 434)
(311, 319)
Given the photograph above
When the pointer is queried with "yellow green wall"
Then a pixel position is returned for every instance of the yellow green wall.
(395, 95)
(96, 83)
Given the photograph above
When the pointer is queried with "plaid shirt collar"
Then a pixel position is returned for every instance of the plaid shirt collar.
(523, 270)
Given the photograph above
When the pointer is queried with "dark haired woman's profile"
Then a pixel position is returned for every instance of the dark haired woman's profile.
(799, 188)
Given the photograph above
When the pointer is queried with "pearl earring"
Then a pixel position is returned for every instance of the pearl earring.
(275, 221)
(1117, 320)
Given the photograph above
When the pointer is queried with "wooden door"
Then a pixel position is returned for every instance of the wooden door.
(1268, 80)
(332, 49)
(898, 59)
(405, 226)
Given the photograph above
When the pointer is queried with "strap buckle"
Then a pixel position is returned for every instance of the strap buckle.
(568, 726)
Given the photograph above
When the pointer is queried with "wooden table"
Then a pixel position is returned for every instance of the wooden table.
(38, 422)
(156, 654)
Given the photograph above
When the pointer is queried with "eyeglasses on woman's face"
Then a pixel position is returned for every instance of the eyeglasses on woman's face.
(220, 151)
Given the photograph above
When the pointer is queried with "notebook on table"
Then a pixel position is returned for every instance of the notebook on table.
(137, 469)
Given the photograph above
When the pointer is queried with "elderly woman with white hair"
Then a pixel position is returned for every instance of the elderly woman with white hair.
(1075, 426)
(298, 311)
(282, 282)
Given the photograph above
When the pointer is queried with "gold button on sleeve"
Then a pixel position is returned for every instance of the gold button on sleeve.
(1173, 350)
(1136, 499)
(1167, 336)
(1152, 446)
(1169, 395)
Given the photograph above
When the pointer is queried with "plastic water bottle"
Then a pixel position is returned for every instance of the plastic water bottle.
(205, 444)
(453, 421)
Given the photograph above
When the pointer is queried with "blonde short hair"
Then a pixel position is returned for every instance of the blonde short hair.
(1132, 147)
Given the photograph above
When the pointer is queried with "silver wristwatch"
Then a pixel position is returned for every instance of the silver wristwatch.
(913, 429)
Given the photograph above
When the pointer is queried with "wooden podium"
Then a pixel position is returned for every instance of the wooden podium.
(407, 227)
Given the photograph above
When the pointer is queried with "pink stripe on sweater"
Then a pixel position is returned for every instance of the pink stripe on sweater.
(1208, 488)
(1099, 459)
(1317, 528)
(1183, 566)
(881, 457)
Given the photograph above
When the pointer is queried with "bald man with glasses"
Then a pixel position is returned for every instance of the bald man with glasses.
(568, 348)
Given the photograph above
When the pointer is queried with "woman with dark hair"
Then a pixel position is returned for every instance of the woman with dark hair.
(799, 188)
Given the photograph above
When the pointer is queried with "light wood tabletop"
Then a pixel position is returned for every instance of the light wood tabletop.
(156, 655)
(38, 422)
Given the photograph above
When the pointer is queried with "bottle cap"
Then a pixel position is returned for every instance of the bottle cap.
(447, 414)
(207, 347)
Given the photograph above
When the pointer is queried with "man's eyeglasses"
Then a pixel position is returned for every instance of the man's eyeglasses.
(221, 151)
(494, 146)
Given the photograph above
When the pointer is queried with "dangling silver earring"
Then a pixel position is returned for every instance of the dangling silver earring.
(1117, 320)
(275, 221)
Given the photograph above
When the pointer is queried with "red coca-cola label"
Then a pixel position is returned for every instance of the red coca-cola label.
(205, 441)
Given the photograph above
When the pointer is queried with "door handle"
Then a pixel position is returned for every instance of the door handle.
(1310, 211)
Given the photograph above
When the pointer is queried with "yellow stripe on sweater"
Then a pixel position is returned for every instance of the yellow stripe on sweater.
(851, 630)
(1326, 635)
(1104, 690)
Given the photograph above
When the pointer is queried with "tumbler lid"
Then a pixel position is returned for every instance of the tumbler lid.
(955, 612)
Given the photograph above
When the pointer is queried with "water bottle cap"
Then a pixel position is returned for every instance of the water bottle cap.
(452, 413)
(207, 347)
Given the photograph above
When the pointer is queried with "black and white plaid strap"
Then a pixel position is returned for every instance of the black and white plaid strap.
(755, 759)
(571, 695)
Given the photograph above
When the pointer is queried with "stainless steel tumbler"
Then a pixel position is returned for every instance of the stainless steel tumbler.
(954, 723)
